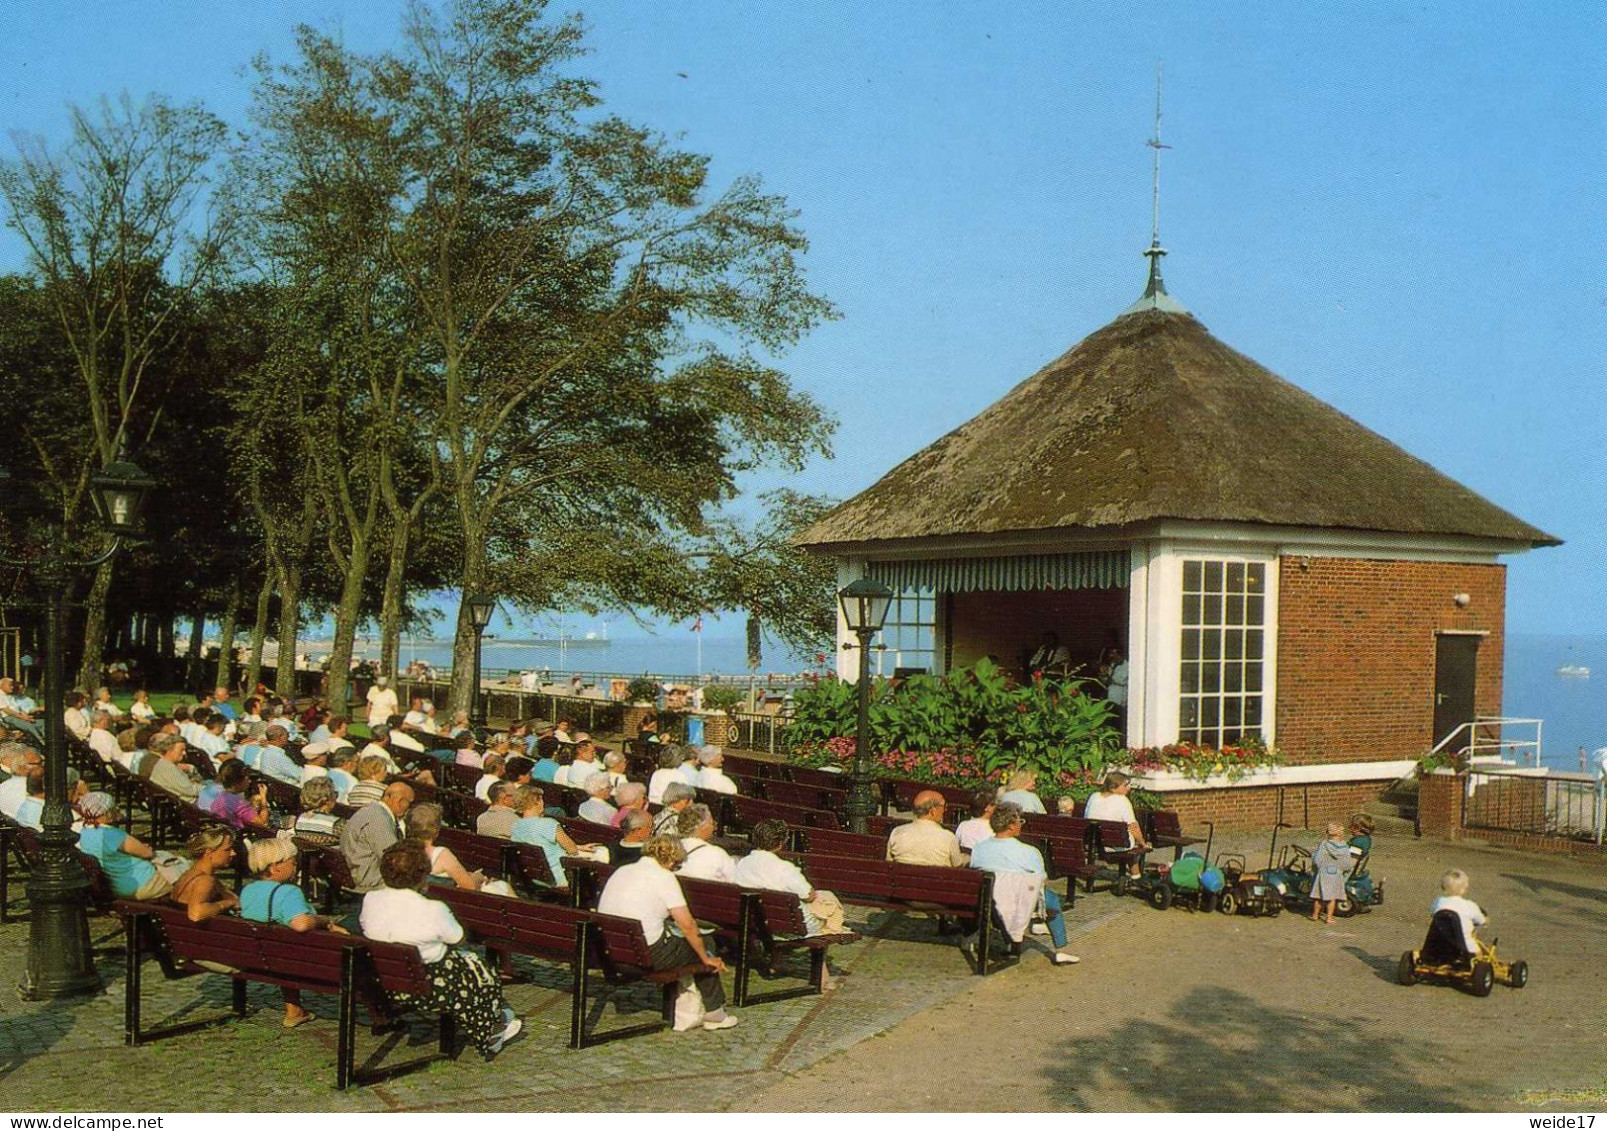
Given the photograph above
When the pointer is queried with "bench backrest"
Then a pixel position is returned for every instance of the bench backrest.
(848, 876)
(265, 950)
(751, 767)
(712, 901)
(809, 796)
(464, 778)
(959, 888)
(474, 852)
(834, 842)
(622, 945)
(1165, 822)
(545, 929)
(398, 967)
(748, 811)
(529, 863)
(820, 779)
(903, 794)
(1055, 827)
(780, 915)
(582, 831)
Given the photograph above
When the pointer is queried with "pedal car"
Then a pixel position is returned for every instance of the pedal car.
(1188, 881)
(1245, 892)
(1444, 957)
(1293, 876)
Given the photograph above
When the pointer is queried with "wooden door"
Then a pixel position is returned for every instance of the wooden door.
(1456, 666)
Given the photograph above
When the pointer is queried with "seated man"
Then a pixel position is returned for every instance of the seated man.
(614, 766)
(677, 796)
(1005, 855)
(924, 840)
(596, 807)
(704, 861)
(343, 771)
(498, 820)
(762, 868)
(490, 774)
(711, 773)
(637, 826)
(375, 828)
(101, 739)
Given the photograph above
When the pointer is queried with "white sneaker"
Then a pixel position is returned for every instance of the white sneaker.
(1040, 928)
(506, 1035)
(726, 1022)
(1061, 959)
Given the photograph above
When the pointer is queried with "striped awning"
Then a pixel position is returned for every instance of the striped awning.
(1102, 569)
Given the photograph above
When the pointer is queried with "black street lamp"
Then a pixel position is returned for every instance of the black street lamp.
(481, 607)
(864, 605)
(60, 962)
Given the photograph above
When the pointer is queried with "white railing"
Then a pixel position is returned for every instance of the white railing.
(1479, 741)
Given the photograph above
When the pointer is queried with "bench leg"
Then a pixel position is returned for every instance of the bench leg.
(131, 982)
(580, 988)
(447, 1037)
(239, 997)
(739, 986)
(5, 873)
(346, 1041)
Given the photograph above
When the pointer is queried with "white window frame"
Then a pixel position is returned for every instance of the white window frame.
(1157, 632)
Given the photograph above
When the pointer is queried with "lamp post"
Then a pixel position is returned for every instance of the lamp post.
(481, 607)
(60, 962)
(864, 604)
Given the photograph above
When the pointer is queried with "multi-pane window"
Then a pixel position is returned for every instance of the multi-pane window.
(1224, 641)
(909, 633)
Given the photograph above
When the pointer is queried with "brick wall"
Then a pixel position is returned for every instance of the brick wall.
(1356, 641)
(1007, 624)
(1260, 807)
(1439, 805)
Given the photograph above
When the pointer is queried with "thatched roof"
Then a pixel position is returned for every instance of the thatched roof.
(1153, 418)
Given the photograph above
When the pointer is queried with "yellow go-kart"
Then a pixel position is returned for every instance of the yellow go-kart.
(1444, 957)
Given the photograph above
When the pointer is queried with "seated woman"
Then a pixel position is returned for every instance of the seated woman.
(423, 824)
(141, 710)
(273, 897)
(104, 704)
(240, 804)
(669, 770)
(1111, 804)
(317, 821)
(1020, 792)
(127, 862)
(763, 868)
(460, 982)
(544, 832)
(199, 891)
(648, 892)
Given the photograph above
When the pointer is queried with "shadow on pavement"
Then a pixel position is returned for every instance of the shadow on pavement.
(1573, 891)
(1220, 1050)
(1385, 966)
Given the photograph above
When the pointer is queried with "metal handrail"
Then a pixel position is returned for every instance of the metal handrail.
(1474, 746)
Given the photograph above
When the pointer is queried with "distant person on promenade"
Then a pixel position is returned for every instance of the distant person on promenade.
(382, 702)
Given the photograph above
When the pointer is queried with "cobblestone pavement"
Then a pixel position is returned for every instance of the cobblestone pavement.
(901, 968)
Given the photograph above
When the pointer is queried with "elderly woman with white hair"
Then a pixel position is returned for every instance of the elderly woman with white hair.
(677, 796)
(711, 773)
(273, 897)
(596, 807)
(669, 770)
(704, 861)
(629, 796)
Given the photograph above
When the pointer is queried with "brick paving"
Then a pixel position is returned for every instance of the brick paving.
(901, 968)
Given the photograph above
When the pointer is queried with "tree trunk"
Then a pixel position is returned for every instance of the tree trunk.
(351, 599)
(164, 635)
(390, 612)
(195, 662)
(226, 638)
(463, 642)
(755, 641)
(284, 681)
(95, 627)
(259, 634)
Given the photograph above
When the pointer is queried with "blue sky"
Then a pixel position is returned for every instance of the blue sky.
(1397, 210)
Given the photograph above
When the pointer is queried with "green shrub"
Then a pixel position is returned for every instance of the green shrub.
(721, 697)
(641, 690)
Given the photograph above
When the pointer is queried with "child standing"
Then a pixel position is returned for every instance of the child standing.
(1361, 838)
(1330, 861)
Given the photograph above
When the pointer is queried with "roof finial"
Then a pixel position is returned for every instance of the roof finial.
(1155, 296)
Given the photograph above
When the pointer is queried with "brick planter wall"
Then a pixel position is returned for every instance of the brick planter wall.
(1439, 815)
(1356, 652)
(1260, 807)
(1439, 805)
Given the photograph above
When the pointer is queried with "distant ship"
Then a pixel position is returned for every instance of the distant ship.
(1573, 671)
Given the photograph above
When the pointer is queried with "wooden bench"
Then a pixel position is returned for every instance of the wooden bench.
(1166, 831)
(899, 793)
(1110, 840)
(20, 845)
(486, 854)
(582, 831)
(319, 961)
(619, 948)
(820, 779)
(462, 778)
(963, 893)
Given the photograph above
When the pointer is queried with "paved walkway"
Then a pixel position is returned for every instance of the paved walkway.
(898, 970)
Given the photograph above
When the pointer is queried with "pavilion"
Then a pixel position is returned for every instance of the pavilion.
(1269, 565)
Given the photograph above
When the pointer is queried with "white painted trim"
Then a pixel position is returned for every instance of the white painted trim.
(1167, 781)
(1461, 632)
(1295, 541)
(1139, 646)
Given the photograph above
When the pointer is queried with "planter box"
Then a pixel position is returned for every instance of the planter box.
(1322, 773)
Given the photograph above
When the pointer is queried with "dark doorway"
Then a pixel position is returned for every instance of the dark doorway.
(1456, 666)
